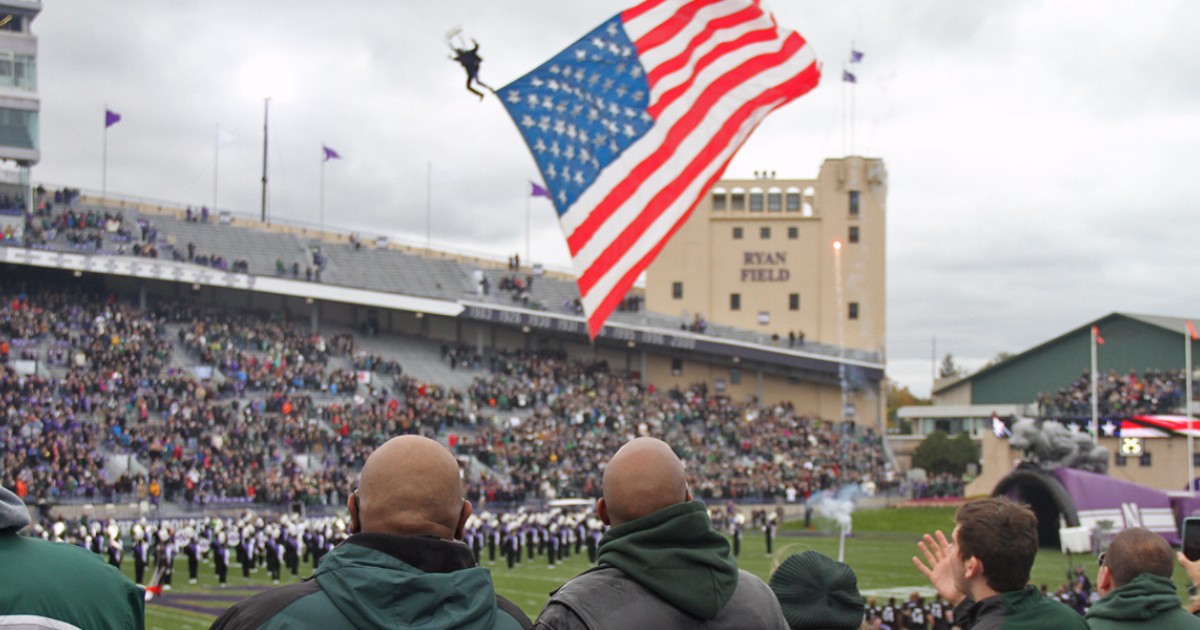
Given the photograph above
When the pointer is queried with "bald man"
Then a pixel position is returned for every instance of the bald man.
(660, 565)
(403, 566)
(1135, 585)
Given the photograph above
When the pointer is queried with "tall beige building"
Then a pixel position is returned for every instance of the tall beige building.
(773, 255)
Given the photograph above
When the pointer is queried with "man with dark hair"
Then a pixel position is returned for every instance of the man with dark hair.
(1135, 585)
(405, 564)
(661, 565)
(983, 569)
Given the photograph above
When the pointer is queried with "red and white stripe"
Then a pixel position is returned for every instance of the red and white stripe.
(1156, 426)
(716, 68)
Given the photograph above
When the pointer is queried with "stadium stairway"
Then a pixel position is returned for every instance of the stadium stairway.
(421, 359)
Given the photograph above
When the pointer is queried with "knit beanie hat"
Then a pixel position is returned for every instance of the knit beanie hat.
(13, 513)
(816, 592)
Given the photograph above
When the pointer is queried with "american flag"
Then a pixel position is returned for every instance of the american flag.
(633, 123)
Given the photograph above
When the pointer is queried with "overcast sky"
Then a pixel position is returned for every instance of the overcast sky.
(1043, 157)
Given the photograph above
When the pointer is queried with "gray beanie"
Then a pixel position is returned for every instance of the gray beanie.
(13, 513)
(816, 592)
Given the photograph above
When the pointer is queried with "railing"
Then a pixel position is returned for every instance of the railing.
(254, 217)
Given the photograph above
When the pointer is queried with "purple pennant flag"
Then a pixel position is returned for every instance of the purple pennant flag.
(538, 191)
(848, 77)
(111, 118)
(855, 56)
(330, 154)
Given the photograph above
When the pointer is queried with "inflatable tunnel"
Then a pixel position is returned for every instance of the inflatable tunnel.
(1077, 498)
(1039, 489)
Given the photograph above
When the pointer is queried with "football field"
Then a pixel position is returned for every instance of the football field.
(880, 553)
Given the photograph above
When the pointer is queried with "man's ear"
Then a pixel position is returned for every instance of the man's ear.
(972, 567)
(352, 506)
(463, 515)
(602, 511)
(1104, 580)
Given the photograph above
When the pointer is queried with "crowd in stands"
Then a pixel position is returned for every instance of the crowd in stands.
(578, 412)
(125, 382)
(1152, 392)
(940, 486)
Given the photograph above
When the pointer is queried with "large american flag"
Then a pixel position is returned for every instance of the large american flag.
(633, 123)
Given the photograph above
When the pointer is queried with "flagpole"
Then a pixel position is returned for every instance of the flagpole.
(528, 259)
(844, 88)
(1187, 367)
(1095, 401)
(321, 210)
(104, 159)
(216, 165)
(853, 93)
(429, 205)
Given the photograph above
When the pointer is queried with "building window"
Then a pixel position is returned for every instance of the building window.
(853, 310)
(853, 203)
(676, 367)
(853, 237)
(737, 233)
(793, 233)
(677, 290)
(735, 301)
(1121, 460)
(774, 201)
(1196, 459)
(764, 233)
(1144, 461)
(793, 301)
(793, 202)
(737, 200)
(756, 201)
(735, 376)
(718, 201)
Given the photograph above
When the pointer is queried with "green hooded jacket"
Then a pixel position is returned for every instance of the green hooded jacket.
(373, 581)
(1022, 609)
(667, 570)
(676, 554)
(1147, 601)
(46, 584)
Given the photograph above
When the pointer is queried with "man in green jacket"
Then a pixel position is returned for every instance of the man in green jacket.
(661, 565)
(1136, 586)
(55, 585)
(983, 569)
(404, 566)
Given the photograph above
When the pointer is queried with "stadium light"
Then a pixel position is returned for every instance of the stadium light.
(268, 78)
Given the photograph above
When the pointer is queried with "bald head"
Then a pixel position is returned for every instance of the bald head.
(410, 486)
(1135, 551)
(643, 477)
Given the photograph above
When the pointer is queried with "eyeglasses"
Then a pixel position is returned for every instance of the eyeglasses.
(1100, 558)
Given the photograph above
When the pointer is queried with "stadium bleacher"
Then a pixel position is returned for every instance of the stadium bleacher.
(393, 269)
(197, 406)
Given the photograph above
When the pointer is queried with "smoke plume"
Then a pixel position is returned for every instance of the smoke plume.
(1051, 445)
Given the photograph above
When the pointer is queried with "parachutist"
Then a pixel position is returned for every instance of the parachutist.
(470, 61)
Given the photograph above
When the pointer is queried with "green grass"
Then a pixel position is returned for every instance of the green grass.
(880, 552)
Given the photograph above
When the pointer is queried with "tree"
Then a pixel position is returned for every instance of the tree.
(900, 396)
(938, 453)
(950, 369)
(1000, 357)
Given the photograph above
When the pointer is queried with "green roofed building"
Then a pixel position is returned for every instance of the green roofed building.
(1137, 343)
(1018, 386)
